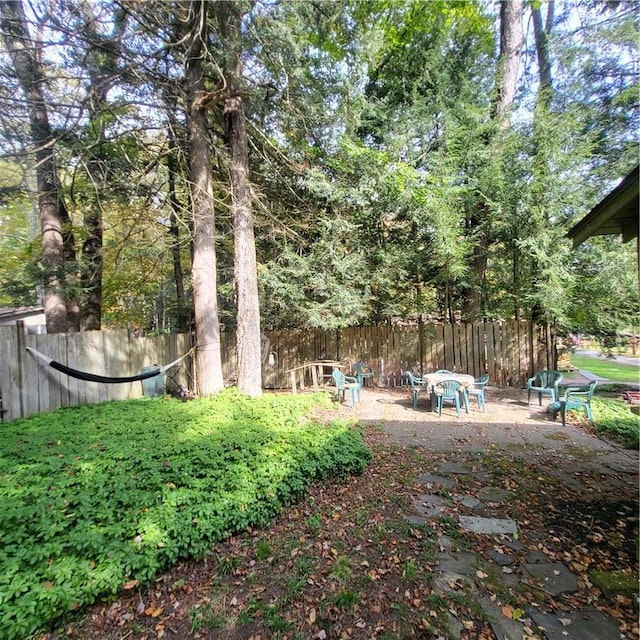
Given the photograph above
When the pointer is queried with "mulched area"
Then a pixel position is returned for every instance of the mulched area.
(346, 563)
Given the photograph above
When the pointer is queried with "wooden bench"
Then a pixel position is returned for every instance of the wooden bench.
(299, 376)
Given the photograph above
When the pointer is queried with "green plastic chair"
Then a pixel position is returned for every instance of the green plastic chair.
(575, 398)
(344, 384)
(417, 383)
(477, 391)
(448, 391)
(544, 383)
(363, 372)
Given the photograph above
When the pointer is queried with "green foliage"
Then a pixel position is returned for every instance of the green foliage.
(18, 253)
(614, 419)
(327, 286)
(604, 297)
(95, 497)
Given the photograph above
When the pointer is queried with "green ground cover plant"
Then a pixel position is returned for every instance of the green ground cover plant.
(97, 499)
(613, 419)
(607, 368)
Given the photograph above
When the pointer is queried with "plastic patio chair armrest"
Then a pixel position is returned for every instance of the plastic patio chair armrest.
(571, 394)
(581, 389)
(351, 379)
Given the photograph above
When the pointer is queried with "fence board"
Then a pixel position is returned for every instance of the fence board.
(493, 356)
(60, 391)
(511, 359)
(449, 361)
(524, 350)
(46, 377)
(73, 384)
(464, 354)
(472, 361)
(431, 357)
(10, 374)
(499, 349)
(480, 346)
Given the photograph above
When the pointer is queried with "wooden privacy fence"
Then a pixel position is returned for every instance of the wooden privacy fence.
(27, 386)
(508, 351)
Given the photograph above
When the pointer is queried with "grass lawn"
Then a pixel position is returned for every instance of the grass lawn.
(607, 368)
(96, 499)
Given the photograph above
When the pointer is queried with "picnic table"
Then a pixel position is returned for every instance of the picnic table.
(431, 380)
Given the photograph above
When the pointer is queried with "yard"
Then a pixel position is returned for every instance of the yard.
(345, 558)
(98, 499)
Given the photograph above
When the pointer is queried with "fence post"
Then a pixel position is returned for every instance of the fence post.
(421, 344)
(19, 360)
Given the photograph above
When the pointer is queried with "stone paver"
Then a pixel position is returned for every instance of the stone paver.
(488, 526)
(584, 624)
(462, 563)
(453, 467)
(428, 505)
(501, 559)
(430, 479)
(552, 577)
(495, 494)
(503, 628)
(470, 502)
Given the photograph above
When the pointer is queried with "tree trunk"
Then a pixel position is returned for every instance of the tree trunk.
(58, 252)
(479, 223)
(246, 278)
(183, 315)
(511, 43)
(91, 274)
(100, 60)
(541, 31)
(541, 172)
(208, 355)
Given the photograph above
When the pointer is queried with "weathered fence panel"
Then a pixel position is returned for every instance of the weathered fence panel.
(508, 351)
(27, 386)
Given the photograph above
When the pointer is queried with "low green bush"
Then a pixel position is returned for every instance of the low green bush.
(614, 419)
(96, 497)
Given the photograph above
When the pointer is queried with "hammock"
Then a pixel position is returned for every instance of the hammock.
(92, 377)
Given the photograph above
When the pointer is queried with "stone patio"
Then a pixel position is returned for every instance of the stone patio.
(525, 432)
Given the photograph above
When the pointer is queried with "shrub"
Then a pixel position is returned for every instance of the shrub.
(95, 497)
